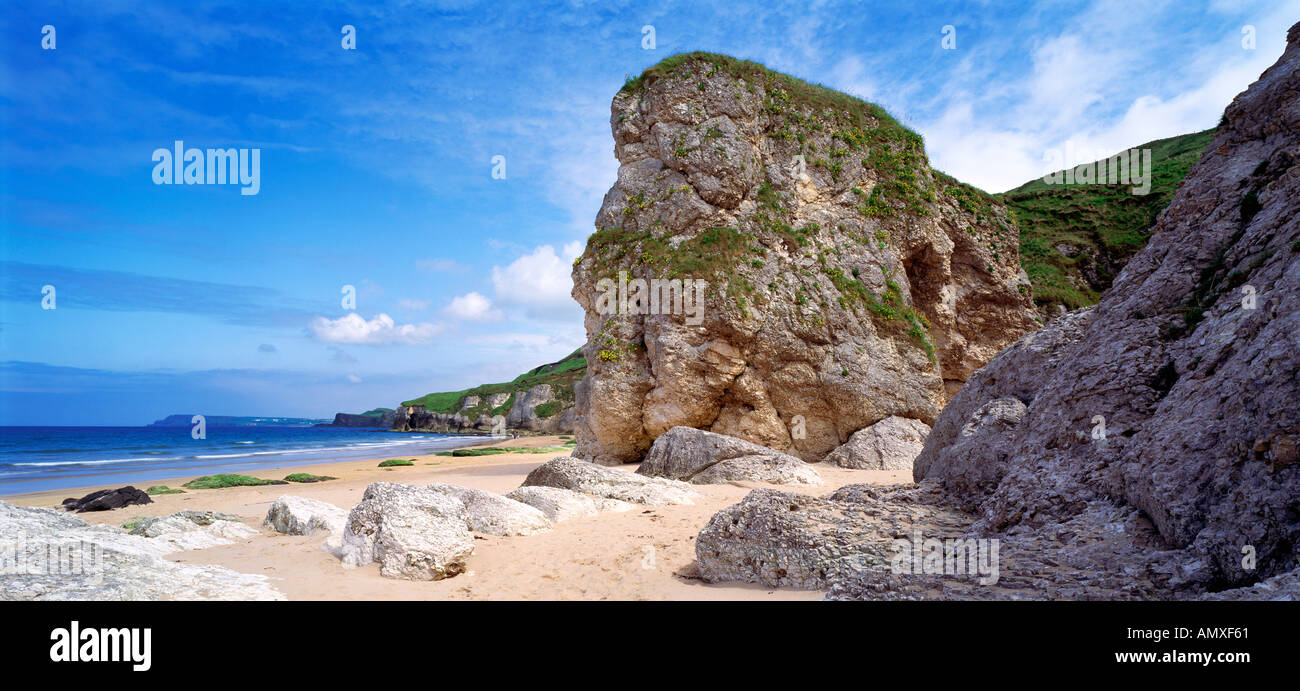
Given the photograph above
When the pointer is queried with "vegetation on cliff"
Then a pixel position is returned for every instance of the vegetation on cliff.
(1074, 239)
(560, 375)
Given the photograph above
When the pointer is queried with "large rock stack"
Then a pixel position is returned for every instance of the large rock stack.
(846, 281)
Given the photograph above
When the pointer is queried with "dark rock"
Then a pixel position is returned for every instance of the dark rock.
(107, 499)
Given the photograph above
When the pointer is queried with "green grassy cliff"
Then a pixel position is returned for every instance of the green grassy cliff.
(561, 375)
(1074, 239)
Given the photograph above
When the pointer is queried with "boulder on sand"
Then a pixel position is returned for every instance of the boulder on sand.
(706, 458)
(302, 516)
(107, 499)
(784, 539)
(558, 504)
(612, 483)
(493, 514)
(416, 533)
(891, 444)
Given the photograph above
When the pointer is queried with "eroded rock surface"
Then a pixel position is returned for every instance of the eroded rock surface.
(415, 533)
(783, 539)
(891, 444)
(847, 281)
(102, 562)
(493, 514)
(1176, 395)
(611, 483)
(302, 516)
(707, 458)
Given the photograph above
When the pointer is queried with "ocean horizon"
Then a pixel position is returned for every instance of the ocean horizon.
(39, 458)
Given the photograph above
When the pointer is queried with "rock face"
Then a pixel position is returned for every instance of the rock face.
(380, 417)
(493, 514)
(302, 516)
(846, 280)
(415, 418)
(611, 483)
(106, 563)
(107, 500)
(782, 539)
(536, 409)
(706, 458)
(414, 533)
(1176, 395)
(891, 444)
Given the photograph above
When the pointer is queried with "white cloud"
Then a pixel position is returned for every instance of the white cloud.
(354, 379)
(572, 251)
(539, 282)
(413, 304)
(1085, 93)
(381, 330)
(472, 307)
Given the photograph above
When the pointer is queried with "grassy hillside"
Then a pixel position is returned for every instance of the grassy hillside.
(1075, 238)
(376, 413)
(561, 375)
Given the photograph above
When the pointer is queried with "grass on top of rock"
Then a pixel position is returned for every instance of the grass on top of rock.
(307, 477)
(784, 90)
(560, 375)
(162, 489)
(798, 109)
(395, 462)
(229, 480)
(1075, 238)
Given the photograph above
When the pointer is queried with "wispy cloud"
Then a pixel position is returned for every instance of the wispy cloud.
(379, 330)
(121, 291)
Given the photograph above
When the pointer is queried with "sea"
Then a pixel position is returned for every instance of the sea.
(34, 459)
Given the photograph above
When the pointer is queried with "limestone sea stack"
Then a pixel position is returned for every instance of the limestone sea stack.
(841, 280)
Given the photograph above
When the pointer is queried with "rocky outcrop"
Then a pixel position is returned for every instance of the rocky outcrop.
(415, 533)
(891, 444)
(302, 516)
(539, 410)
(611, 483)
(379, 417)
(107, 500)
(414, 418)
(536, 409)
(424, 533)
(101, 562)
(1176, 395)
(706, 458)
(493, 514)
(783, 539)
(539, 400)
(846, 280)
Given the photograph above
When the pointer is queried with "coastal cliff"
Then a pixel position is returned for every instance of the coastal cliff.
(378, 417)
(1173, 398)
(539, 400)
(843, 280)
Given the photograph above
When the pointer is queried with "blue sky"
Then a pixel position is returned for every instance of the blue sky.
(376, 169)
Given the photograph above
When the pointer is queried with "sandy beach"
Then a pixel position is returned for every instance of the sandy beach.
(644, 554)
